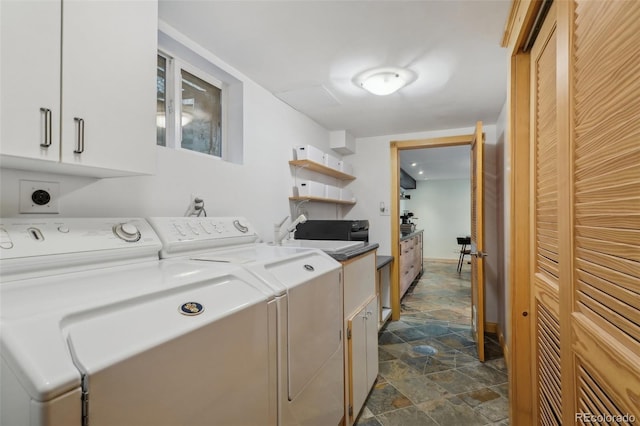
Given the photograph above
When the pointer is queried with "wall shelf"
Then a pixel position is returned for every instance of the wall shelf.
(322, 200)
(321, 168)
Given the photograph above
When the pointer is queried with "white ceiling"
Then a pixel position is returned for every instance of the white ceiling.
(452, 162)
(307, 52)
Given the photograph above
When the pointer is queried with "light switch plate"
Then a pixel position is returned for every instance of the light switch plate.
(39, 197)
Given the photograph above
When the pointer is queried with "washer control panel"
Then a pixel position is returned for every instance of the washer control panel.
(181, 235)
(29, 238)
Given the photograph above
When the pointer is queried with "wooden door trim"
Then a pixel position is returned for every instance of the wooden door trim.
(396, 147)
(521, 396)
(564, 77)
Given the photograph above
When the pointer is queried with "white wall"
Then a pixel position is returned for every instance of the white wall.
(503, 168)
(258, 189)
(443, 210)
(372, 165)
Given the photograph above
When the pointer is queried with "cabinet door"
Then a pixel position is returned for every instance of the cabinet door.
(363, 353)
(109, 82)
(30, 79)
(358, 361)
(371, 321)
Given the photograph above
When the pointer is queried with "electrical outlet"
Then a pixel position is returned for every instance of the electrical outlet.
(39, 197)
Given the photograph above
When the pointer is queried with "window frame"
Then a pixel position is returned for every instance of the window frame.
(173, 103)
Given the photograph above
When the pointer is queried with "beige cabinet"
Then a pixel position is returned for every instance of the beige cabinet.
(362, 341)
(410, 261)
(361, 329)
(79, 86)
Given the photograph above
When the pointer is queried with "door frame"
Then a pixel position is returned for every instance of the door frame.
(521, 21)
(396, 147)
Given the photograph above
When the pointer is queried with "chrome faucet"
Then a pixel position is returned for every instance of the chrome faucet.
(279, 235)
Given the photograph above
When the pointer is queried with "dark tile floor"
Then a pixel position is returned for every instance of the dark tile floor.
(429, 373)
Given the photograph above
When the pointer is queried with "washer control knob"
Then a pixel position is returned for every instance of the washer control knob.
(127, 232)
(64, 229)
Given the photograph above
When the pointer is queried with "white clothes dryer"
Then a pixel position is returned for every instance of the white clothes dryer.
(96, 330)
(308, 287)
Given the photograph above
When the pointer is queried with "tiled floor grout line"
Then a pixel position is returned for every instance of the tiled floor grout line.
(445, 388)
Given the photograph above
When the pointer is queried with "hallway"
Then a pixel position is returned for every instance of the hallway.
(428, 368)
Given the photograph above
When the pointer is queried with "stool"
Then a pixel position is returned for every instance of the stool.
(464, 242)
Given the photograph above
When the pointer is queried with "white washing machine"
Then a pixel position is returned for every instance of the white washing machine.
(96, 330)
(308, 288)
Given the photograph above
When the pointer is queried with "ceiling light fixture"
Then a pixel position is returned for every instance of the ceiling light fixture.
(384, 81)
(414, 164)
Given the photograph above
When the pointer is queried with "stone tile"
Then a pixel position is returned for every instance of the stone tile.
(395, 369)
(401, 350)
(450, 387)
(464, 360)
(434, 330)
(409, 416)
(419, 389)
(371, 421)
(365, 414)
(477, 397)
(455, 341)
(497, 364)
(410, 333)
(395, 325)
(384, 355)
(495, 410)
(452, 411)
(484, 374)
(455, 382)
(388, 338)
(384, 397)
(502, 389)
(426, 364)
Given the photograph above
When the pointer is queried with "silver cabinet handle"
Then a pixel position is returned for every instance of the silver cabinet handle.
(80, 143)
(46, 143)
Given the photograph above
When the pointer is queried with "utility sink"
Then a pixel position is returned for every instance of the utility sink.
(328, 246)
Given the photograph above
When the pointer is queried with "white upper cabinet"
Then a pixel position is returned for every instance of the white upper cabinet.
(30, 79)
(103, 76)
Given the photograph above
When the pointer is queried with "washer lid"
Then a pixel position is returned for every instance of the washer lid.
(107, 336)
(118, 311)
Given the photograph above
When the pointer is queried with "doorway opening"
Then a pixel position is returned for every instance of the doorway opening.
(475, 141)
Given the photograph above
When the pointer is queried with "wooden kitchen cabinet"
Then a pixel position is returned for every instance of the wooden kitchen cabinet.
(361, 328)
(410, 260)
(79, 97)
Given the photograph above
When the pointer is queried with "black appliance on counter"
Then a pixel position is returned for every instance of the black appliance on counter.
(341, 230)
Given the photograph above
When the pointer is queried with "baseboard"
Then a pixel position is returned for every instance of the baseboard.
(433, 259)
(491, 327)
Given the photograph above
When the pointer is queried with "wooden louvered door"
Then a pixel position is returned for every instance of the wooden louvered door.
(600, 209)
(544, 227)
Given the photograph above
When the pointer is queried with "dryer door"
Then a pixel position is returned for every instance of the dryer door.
(314, 315)
(147, 363)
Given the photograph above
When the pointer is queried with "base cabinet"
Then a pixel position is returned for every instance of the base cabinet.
(361, 330)
(362, 341)
(410, 261)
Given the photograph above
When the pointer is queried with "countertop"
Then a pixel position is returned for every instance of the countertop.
(413, 234)
(382, 261)
(341, 256)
